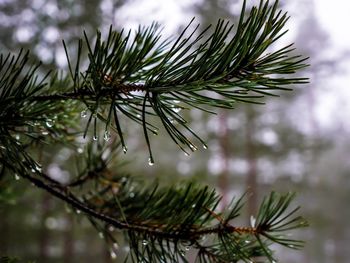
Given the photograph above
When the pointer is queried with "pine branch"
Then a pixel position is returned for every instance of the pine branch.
(140, 76)
(163, 223)
(143, 78)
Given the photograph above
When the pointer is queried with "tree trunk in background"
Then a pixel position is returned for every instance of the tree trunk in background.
(251, 181)
(68, 253)
(107, 254)
(44, 236)
(225, 151)
(4, 230)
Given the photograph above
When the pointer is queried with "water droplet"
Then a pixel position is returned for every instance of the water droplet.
(194, 205)
(252, 221)
(83, 113)
(205, 146)
(80, 150)
(17, 136)
(186, 153)
(115, 245)
(125, 149)
(138, 116)
(176, 109)
(132, 195)
(176, 101)
(113, 255)
(155, 132)
(193, 147)
(107, 136)
(187, 248)
(49, 123)
(44, 133)
(17, 177)
(144, 242)
(101, 235)
(247, 241)
(95, 137)
(182, 252)
(150, 161)
(111, 229)
(78, 211)
(38, 168)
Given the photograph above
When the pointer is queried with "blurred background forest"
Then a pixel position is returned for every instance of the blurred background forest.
(296, 142)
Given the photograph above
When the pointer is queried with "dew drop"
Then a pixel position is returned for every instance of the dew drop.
(252, 221)
(107, 136)
(115, 245)
(78, 211)
(80, 150)
(150, 161)
(182, 253)
(44, 133)
(187, 248)
(138, 116)
(95, 137)
(176, 109)
(176, 101)
(49, 123)
(111, 229)
(125, 149)
(193, 147)
(113, 255)
(17, 177)
(83, 113)
(17, 136)
(38, 168)
(194, 205)
(155, 132)
(101, 235)
(144, 242)
(205, 146)
(132, 195)
(186, 153)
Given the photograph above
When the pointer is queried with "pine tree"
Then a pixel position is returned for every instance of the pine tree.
(140, 77)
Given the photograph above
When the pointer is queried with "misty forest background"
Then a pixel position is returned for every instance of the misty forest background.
(285, 145)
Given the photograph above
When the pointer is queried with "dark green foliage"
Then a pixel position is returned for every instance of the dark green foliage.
(142, 78)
